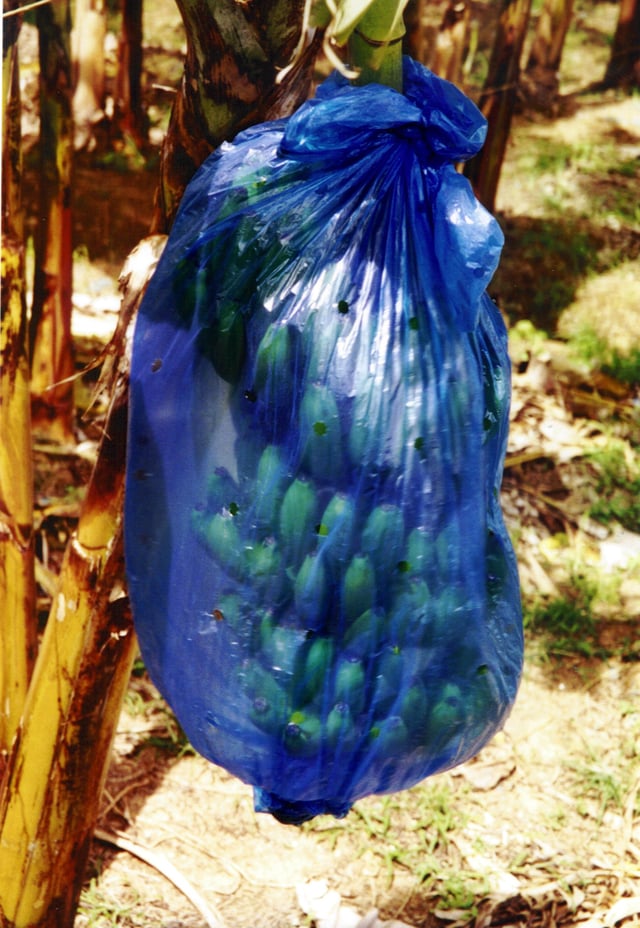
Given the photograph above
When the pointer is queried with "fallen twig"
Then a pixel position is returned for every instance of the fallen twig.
(167, 869)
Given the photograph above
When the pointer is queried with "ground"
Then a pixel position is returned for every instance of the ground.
(543, 827)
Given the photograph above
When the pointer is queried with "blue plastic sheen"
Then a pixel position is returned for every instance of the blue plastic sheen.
(322, 584)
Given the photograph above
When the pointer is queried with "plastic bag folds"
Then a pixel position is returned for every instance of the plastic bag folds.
(321, 580)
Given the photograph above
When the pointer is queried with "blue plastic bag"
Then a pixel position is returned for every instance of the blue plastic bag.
(322, 584)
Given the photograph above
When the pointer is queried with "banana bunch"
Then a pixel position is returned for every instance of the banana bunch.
(321, 580)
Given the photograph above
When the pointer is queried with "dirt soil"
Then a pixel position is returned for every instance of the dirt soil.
(543, 827)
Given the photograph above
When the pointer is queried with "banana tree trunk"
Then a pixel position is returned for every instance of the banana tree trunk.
(451, 41)
(229, 83)
(130, 113)
(414, 43)
(58, 763)
(540, 81)
(498, 99)
(17, 584)
(52, 353)
(87, 50)
(623, 69)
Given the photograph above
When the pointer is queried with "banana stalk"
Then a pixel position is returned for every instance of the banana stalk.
(17, 584)
(58, 762)
(373, 31)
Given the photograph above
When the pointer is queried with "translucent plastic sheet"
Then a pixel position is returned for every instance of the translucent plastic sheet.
(322, 584)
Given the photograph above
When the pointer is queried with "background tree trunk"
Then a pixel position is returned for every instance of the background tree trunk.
(452, 40)
(498, 99)
(52, 352)
(17, 583)
(229, 83)
(130, 114)
(414, 41)
(624, 64)
(87, 49)
(540, 82)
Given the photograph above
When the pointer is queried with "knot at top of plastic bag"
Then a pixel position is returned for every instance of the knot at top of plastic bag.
(349, 121)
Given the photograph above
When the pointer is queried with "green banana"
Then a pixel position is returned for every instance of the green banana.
(298, 521)
(411, 612)
(229, 609)
(263, 566)
(383, 539)
(364, 425)
(358, 588)
(340, 729)
(222, 537)
(390, 737)
(450, 617)
(272, 477)
(365, 636)
(224, 342)
(336, 530)
(447, 548)
(311, 592)
(303, 734)
(483, 699)
(446, 717)
(275, 359)
(349, 685)
(414, 711)
(282, 647)
(316, 670)
(391, 666)
(384, 697)
(269, 707)
(419, 553)
(320, 433)
(321, 333)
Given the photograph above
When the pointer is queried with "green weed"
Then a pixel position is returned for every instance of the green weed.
(564, 626)
(592, 348)
(460, 891)
(618, 487)
(597, 783)
(525, 342)
(98, 909)
(410, 830)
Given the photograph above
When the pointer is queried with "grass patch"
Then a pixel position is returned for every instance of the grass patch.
(410, 830)
(99, 909)
(618, 487)
(595, 350)
(564, 626)
(602, 787)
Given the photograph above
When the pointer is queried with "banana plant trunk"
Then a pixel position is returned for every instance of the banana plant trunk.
(498, 99)
(51, 345)
(451, 41)
(540, 81)
(17, 583)
(229, 83)
(623, 68)
(129, 105)
(55, 772)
